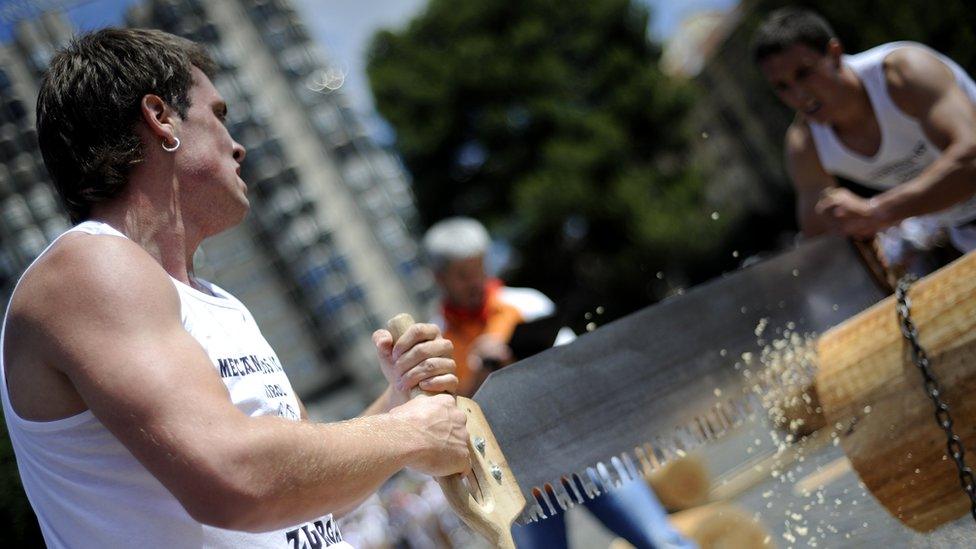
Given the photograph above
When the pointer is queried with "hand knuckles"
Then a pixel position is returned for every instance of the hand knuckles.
(425, 332)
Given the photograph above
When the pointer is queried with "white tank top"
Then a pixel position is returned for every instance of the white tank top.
(905, 150)
(89, 491)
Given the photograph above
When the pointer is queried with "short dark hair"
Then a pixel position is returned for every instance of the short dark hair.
(787, 26)
(89, 103)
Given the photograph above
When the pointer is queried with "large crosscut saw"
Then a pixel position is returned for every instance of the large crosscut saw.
(575, 421)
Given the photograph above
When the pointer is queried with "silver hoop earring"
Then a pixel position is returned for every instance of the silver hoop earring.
(174, 147)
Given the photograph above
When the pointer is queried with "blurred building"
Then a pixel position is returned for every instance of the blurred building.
(328, 252)
(739, 123)
(30, 214)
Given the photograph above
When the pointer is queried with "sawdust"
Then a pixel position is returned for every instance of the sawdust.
(782, 377)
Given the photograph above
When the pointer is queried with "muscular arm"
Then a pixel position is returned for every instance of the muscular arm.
(925, 89)
(150, 383)
(809, 179)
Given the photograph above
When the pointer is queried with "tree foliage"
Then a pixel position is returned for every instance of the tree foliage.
(552, 122)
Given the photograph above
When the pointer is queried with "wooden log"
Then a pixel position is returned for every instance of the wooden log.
(798, 411)
(873, 394)
(716, 526)
(681, 483)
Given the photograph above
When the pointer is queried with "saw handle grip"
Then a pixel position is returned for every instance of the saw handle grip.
(499, 499)
(398, 326)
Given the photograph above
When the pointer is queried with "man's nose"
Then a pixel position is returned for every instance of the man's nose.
(239, 152)
(800, 94)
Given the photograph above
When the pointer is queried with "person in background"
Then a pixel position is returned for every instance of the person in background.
(479, 314)
(898, 118)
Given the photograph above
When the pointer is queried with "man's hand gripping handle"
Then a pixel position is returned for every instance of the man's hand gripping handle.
(488, 500)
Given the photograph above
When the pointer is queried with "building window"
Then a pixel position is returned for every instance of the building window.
(54, 227)
(15, 213)
(327, 122)
(8, 142)
(23, 171)
(30, 243)
(356, 173)
(301, 232)
(376, 203)
(41, 202)
(15, 109)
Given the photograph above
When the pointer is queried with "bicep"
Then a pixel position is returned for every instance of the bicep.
(810, 222)
(926, 89)
(153, 388)
(950, 119)
(141, 374)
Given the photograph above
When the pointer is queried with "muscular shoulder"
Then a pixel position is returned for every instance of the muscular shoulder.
(916, 78)
(798, 146)
(802, 162)
(798, 139)
(90, 283)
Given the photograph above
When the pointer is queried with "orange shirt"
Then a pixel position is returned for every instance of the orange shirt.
(462, 327)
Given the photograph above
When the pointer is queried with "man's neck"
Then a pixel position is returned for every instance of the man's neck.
(856, 112)
(162, 231)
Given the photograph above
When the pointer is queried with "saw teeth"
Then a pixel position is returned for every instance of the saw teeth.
(532, 513)
(643, 460)
(574, 483)
(607, 476)
(620, 466)
(590, 488)
(548, 509)
(562, 497)
(632, 466)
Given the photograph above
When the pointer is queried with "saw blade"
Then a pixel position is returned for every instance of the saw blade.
(576, 421)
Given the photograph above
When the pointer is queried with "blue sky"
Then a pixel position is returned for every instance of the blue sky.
(343, 27)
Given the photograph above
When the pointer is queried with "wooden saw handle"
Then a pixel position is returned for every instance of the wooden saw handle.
(489, 499)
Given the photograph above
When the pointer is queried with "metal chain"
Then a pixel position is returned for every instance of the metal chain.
(954, 445)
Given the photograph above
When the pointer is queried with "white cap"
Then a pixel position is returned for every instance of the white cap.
(455, 238)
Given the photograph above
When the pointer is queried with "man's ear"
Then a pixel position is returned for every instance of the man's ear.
(158, 117)
(834, 51)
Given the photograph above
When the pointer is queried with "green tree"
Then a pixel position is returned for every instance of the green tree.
(552, 122)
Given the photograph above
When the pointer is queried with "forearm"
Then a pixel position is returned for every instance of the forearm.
(811, 223)
(384, 403)
(296, 471)
(948, 181)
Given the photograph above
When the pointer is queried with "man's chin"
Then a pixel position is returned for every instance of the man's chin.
(245, 209)
(821, 115)
(239, 215)
(471, 304)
